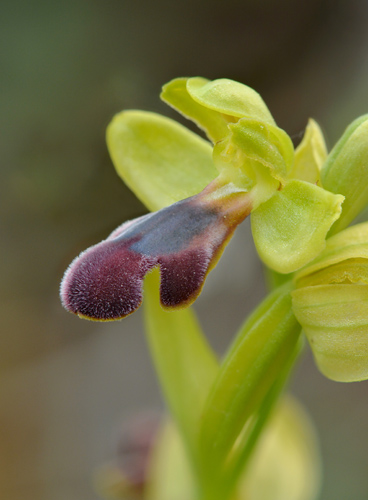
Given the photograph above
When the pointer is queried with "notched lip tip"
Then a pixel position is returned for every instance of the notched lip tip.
(100, 320)
(66, 305)
(183, 304)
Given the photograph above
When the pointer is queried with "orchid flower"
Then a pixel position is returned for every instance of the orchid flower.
(200, 193)
(330, 299)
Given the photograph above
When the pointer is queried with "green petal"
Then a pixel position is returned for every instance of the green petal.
(265, 144)
(310, 155)
(175, 94)
(161, 161)
(286, 464)
(229, 98)
(352, 243)
(346, 171)
(335, 320)
(255, 156)
(289, 230)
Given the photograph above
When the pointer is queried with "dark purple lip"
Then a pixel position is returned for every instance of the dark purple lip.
(184, 240)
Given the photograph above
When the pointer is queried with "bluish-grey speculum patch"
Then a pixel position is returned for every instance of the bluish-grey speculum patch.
(169, 230)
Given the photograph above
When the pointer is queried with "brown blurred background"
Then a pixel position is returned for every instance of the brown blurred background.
(66, 385)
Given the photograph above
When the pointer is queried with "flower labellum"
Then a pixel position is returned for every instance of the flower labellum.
(185, 240)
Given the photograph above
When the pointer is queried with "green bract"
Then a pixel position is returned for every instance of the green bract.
(331, 304)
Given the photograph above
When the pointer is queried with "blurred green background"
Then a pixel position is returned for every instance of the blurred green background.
(66, 385)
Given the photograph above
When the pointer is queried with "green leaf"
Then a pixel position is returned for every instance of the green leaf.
(310, 155)
(160, 161)
(264, 344)
(346, 171)
(229, 98)
(289, 229)
(175, 94)
(185, 363)
(335, 320)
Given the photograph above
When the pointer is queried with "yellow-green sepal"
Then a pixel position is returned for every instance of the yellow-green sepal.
(346, 171)
(229, 98)
(213, 123)
(310, 155)
(161, 161)
(335, 320)
(289, 229)
(214, 104)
